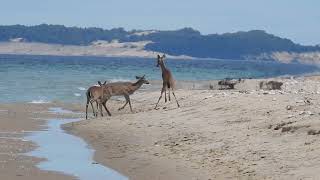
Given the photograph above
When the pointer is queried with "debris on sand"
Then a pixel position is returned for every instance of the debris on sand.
(313, 132)
(270, 85)
(228, 83)
(289, 107)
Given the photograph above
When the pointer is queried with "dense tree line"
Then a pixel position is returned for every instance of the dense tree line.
(185, 41)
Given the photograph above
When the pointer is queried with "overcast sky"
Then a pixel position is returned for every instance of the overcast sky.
(294, 19)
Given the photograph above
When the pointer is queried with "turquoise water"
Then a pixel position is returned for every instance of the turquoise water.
(41, 79)
(67, 153)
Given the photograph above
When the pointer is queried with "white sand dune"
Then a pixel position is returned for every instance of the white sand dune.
(97, 48)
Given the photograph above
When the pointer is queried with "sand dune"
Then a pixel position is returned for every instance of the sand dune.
(97, 48)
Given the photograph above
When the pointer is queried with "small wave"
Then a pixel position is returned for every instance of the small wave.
(77, 94)
(40, 101)
(81, 88)
(118, 80)
(59, 110)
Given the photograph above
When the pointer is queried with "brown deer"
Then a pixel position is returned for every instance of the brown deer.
(96, 94)
(167, 81)
(123, 89)
(102, 94)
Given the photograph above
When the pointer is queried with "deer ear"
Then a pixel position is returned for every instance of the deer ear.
(99, 83)
(137, 77)
(105, 82)
(163, 56)
(159, 56)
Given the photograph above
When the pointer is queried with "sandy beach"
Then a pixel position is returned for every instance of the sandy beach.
(244, 133)
(17, 121)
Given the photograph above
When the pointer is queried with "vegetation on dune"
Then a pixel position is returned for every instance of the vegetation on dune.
(185, 41)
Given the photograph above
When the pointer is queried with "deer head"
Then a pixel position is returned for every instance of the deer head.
(160, 59)
(105, 82)
(142, 79)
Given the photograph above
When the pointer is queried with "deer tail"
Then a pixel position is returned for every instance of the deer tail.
(88, 94)
(171, 84)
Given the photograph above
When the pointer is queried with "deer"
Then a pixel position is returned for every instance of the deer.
(124, 89)
(96, 94)
(167, 81)
(102, 94)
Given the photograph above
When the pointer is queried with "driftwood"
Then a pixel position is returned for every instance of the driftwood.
(270, 85)
(228, 83)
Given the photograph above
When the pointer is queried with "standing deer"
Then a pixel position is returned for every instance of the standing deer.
(124, 89)
(96, 94)
(167, 81)
(103, 93)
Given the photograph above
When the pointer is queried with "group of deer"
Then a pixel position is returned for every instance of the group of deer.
(102, 93)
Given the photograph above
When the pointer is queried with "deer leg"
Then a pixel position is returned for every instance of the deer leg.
(162, 90)
(124, 104)
(100, 107)
(169, 94)
(105, 107)
(165, 95)
(175, 98)
(94, 114)
(128, 100)
(97, 104)
(87, 110)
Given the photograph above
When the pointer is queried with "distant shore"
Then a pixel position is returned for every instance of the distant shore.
(98, 48)
(135, 49)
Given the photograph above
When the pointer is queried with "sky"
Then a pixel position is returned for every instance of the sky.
(297, 20)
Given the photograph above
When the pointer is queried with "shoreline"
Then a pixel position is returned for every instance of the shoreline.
(18, 120)
(202, 139)
(137, 50)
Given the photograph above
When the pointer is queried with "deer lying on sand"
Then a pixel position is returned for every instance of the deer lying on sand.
(103, 93)
(167, 81)
(95, 94)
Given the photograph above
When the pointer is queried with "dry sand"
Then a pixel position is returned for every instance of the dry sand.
(16, 121)
(216, 134)
(244, 133)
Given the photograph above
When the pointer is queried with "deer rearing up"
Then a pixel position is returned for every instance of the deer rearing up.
(167, 81)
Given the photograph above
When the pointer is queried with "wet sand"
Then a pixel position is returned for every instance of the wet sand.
(16, 121)
(244, 133)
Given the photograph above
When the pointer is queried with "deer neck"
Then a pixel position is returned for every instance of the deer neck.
(163, 67)
(136, 85)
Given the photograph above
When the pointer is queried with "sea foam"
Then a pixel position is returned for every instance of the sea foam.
(39, 101)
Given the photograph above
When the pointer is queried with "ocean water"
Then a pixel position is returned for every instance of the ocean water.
(42, 79)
